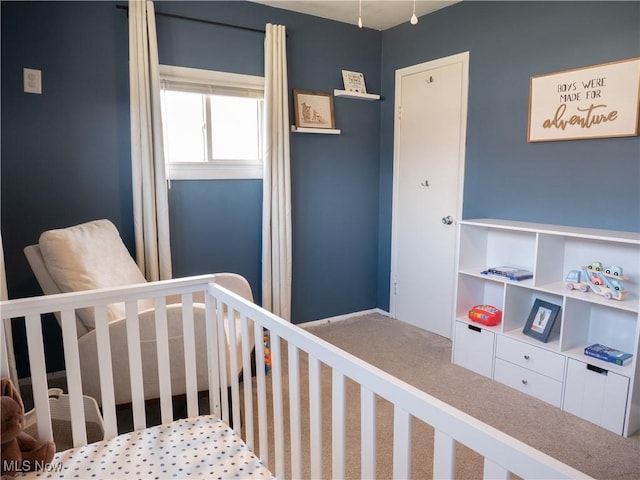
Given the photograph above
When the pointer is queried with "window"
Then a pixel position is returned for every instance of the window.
(212, 123)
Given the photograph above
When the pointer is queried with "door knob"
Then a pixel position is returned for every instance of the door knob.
(447, 220)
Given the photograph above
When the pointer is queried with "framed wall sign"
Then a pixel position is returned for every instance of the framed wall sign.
(592, 102)
(313, 109)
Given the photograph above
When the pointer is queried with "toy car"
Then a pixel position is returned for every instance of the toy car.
(596, 266)
(592, 277)
(613, 270)
(574, 281)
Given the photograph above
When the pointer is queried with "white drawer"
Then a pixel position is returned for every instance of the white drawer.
(529, 382)
(531, 357)
(597, 395)
(473, 348)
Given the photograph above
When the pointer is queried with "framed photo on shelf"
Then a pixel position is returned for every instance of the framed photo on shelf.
(353, 81)
(313, 109)
(541, 320)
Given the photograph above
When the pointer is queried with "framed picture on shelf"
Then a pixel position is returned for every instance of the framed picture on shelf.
(541, 320)
(313, 109)
(353, 81)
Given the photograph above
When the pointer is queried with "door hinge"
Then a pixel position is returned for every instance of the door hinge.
(395, 288)
(400, 113)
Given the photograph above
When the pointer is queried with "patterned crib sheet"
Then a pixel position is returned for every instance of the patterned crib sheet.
(203, 447)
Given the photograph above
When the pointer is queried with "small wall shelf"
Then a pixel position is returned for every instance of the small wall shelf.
(326, 131)
(359, 96)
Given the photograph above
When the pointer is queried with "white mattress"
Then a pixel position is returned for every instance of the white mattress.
(204, 447)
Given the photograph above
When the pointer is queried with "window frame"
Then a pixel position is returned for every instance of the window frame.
(213, 170)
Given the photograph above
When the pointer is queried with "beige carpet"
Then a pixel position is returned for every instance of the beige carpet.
(424, 360)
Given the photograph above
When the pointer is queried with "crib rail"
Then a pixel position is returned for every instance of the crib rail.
(267, 410)
(34, 311)
(502, 454)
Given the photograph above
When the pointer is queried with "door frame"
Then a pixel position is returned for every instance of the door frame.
(462, 58)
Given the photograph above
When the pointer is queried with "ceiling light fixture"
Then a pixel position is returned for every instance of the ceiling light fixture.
(414, 19)
(360, 14)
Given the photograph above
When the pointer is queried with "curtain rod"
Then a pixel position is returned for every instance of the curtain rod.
(199, 20)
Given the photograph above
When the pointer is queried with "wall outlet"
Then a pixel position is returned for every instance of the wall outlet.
(32, 80)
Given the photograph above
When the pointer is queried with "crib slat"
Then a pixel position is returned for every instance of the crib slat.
(212, 356)
(367, 433)
(103, 343)
(247, 383)
(278, 414)
(294, 411)
(401, 443)
(74, 385)
(135, 365)
(494, 471)
(263, 432)
(189, 338)
(164, 369)
(315, 421)
(38, 367)
(338, 418)
(444, 455)
(222, 359)
(233, 362)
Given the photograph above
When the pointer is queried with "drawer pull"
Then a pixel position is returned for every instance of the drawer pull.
(599, 370)
(526, 357)
(474, 328)
(524, 382)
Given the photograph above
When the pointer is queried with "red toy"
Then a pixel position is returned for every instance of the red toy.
(485, 314)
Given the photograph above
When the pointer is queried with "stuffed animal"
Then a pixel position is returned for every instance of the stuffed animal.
(19, 450)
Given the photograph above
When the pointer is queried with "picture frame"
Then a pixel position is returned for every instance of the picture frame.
(541, 320)
(313, 109)
(353, 81)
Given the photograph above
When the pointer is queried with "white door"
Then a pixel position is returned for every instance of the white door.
(430, 130)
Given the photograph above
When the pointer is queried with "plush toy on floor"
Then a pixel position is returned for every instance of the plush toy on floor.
(19, 450)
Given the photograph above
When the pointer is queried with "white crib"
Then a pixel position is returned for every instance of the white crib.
(275, 433)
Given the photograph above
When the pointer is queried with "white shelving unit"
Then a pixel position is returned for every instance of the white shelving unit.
(356, 95)
(557, 371)
(326, 131)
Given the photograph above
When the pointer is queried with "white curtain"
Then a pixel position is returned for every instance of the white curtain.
(276, 220)
(150, 204)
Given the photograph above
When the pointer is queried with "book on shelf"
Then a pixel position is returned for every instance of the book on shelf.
(608, 354)
(512, 273)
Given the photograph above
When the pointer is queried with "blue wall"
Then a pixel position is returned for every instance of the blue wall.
(66, 153)
(589, 183)
(334, 178)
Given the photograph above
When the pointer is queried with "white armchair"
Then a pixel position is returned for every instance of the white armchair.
(92, 255)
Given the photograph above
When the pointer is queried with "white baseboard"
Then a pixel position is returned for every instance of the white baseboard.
(339, 318)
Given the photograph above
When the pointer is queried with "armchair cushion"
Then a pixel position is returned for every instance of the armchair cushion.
(90, 256)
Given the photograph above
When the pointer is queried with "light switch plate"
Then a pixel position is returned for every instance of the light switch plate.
(32, 80)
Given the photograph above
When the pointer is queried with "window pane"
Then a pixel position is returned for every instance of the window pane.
(235, 128)
(184, 126)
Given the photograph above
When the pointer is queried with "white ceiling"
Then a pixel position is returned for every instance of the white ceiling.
(376, 14)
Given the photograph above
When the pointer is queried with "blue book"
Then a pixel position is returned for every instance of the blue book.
(608, 354)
